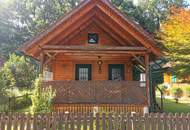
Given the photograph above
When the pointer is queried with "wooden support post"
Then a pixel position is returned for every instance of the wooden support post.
(41, 62)
(147, 77)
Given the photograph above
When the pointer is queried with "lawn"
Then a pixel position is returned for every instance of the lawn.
(171, 107)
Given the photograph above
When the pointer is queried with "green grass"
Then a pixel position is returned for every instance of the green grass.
(171, 107)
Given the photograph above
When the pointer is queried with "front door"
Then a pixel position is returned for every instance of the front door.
(83, 72)
(116, 72)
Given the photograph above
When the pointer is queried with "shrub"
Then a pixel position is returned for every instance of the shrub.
(177, 93)
(164, 88)
(42, 98)
(17, 71)
(21, 102)
(188, 91)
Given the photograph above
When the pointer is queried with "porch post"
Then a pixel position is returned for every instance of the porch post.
(147, 77)
(41, 62)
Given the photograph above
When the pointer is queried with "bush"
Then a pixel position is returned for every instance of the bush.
(177, 93)
(188, 91)
(42, 98)
(21, 102)
(164, 89)
(17, 71)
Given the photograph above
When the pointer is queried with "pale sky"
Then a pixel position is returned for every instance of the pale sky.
(136, 1)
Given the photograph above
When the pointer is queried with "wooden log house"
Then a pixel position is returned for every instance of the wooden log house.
(89, 55)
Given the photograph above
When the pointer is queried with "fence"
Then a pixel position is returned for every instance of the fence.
(104, 121)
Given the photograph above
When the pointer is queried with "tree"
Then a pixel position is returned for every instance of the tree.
(20, 20)
(175, 35)
(148, 13)
(18, 71)
(177, 93)
(42, 97)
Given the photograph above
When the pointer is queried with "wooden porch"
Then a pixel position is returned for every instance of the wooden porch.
(87, 96)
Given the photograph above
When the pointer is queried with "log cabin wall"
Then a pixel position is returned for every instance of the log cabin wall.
(64, 67)
(81, 37)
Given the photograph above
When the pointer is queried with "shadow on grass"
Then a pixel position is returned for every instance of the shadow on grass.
(170, 106)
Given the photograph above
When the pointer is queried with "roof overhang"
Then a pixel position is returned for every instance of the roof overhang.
(102, 9)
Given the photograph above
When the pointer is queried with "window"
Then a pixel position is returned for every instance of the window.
(93, 38)
(47, 74)
(116, 72)
(83, 72)
(143, 77)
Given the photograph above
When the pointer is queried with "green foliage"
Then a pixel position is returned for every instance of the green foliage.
(148, 13)
(177, 93)
(187, 89)
(22, 19)
(18, 71)
(170, 106)
(20, 102)
(175, 35)
(163, 88)
(42, 98)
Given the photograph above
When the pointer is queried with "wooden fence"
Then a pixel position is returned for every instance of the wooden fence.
(104, 121)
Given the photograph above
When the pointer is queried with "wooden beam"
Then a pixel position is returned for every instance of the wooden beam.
(66, 31)
(115, 26)
(50, 58)
(147, 71)
(86, 55)
(62, 40)
(110, 32)
(133, 29)
(41, 62)
(93, 48)
(139, 60)
(98, 52)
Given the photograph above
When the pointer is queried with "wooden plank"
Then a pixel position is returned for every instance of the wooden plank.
(178, 121)
(165, 119)
(147, 71)
(79, 121)
(110, 121)
(28, 122)
(103, 121)
(9, 121)
(91, 117)
(15, 122)
(85, 121)
(188, 121)
(97, 121)
(91, 48)
(98, 52)
(123, 121)
(184, 122)
(66, 121)
(111, 15)
(41, 62)
(139, 60)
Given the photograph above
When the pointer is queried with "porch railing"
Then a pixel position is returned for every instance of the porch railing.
(98, 92)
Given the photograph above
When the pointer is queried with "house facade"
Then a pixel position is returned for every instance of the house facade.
(88, 57)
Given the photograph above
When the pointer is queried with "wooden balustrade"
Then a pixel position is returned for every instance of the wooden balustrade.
(98, 92)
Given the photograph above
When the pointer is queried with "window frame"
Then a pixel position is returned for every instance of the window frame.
(78, 66)
(120, 66)
(91, 35)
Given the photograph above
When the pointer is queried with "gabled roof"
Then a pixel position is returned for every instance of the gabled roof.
(86, 11)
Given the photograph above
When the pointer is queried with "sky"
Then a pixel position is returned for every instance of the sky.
(136, 1)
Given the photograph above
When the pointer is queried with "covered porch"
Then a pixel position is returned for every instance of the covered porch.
(99, 91)
(85, 96)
